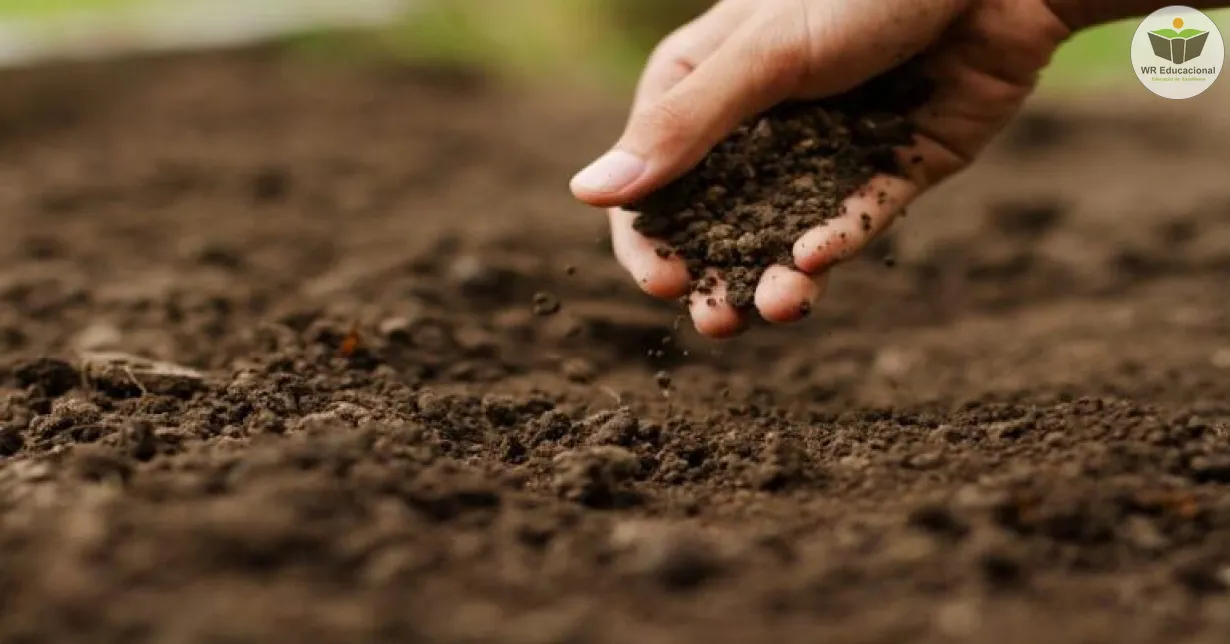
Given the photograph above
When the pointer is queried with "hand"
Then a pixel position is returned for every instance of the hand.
(745, 56)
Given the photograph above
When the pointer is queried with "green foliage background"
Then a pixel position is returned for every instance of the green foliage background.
(600, 41)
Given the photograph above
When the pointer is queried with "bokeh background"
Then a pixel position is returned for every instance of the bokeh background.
(600, 42)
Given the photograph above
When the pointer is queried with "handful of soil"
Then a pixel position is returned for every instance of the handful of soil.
(741, 210)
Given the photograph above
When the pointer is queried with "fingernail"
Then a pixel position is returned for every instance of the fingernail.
(613, 172)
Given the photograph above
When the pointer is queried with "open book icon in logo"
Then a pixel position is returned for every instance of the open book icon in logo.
(1178, 47)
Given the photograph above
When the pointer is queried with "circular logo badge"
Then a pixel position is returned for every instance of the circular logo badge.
(1178, 52)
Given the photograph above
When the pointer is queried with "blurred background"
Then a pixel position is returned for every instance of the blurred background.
(597, 41)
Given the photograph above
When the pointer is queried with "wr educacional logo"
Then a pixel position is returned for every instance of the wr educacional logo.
(1178, 52)
(1178, 46)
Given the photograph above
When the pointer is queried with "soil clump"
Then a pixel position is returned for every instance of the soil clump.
(776, 177)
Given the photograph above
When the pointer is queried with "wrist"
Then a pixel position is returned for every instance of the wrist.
(1081, 14)
(1077, 14)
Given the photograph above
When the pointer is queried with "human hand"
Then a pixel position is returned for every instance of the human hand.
(746, 56)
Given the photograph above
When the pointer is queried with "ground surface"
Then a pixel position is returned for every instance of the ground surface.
(1016, 434)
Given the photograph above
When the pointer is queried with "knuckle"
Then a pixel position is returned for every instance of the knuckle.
(779, 50)
(666, 124)
(672, 46)
(676, 50)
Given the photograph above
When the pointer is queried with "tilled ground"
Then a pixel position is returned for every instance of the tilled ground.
(372, 424)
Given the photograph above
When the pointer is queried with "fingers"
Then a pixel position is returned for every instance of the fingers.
(865, 214)
(749, 73)
(786, 295)
(783, 295)
(665, 278)
(712, 314)
(685, 49)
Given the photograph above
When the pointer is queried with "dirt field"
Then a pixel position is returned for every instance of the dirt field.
(1015, 433)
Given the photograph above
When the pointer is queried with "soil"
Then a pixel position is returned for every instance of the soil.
(776, 177)
(273, 371)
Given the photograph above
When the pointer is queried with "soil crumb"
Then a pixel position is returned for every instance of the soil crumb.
(743, 207)
(545, 304)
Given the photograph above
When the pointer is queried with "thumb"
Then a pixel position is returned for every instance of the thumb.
(753, 71)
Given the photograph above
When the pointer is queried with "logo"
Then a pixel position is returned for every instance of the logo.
(1178, 52)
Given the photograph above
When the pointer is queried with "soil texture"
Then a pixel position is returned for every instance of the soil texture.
(778, 176)
(308, 352)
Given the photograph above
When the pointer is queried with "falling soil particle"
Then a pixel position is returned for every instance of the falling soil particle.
(545, 304)
(663, 380)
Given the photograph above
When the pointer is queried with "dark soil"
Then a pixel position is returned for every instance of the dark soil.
(272, 372)
(778, 176)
